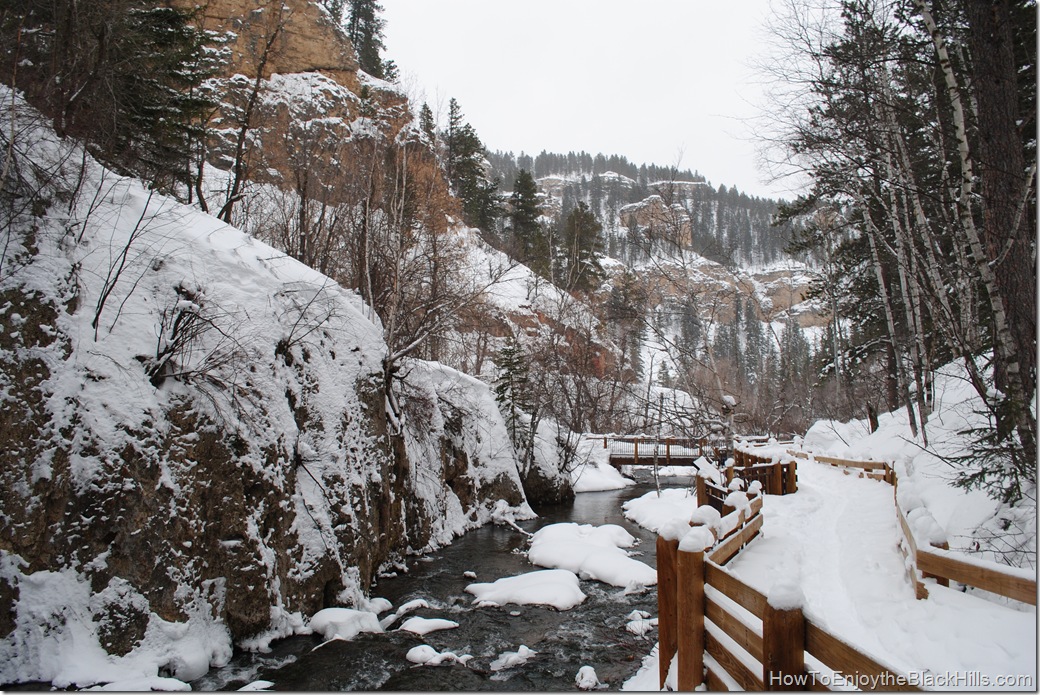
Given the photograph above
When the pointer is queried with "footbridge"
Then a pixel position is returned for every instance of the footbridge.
(663, 451)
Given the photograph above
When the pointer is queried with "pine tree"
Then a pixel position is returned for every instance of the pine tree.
(512, 387)
(581, 245)
(528, 239)
(426, 123)
(123, 75)
(465, 165)
(365, 30)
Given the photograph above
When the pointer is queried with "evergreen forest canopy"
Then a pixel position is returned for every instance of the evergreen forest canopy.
(727, 226)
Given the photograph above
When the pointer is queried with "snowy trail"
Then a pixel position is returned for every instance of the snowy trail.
(837, 539)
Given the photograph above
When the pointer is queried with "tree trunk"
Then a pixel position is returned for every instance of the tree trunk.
(1006, 357)
(1004, 183)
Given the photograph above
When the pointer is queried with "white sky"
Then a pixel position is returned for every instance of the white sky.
(657, 81)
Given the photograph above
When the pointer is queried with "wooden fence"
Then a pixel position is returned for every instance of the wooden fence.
(775, 479)
(936, 561)
(664, 450)
(727, 635)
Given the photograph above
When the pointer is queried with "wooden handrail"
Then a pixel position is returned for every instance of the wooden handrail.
(839, 656)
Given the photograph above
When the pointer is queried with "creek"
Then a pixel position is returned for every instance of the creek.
(593, 633)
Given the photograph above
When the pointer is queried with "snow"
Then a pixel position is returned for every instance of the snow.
(423, 626)
(586, 678)
(641, 626)
(344, 623)
(512, 659)
(971, 521)
(144, 684)
(256, 686)
(596, 473)
(405, 608)
(737, 500)
(652, 512)
(591, 552)
(554, 587)
(706, 515)
(786, 596)
(697, 539)
(425, 655)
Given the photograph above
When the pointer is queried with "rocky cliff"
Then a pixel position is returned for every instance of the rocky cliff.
(195, 446)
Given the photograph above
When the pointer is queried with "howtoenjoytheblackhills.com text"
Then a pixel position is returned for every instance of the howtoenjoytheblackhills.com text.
(916, 679)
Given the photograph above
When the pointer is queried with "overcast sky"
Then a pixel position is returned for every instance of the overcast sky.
(657, 81)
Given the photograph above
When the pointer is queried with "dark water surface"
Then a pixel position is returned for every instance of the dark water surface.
(591, 634)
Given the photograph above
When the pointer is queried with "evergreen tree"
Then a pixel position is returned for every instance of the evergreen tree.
(581, 246)
(123, 75)
(365, 30)
(465, 163)
(426, 123)
(528, 239)
(512, 387)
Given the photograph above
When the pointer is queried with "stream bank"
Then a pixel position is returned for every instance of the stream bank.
(593, 633)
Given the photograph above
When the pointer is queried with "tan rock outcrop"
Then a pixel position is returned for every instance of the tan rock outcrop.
(286, 36)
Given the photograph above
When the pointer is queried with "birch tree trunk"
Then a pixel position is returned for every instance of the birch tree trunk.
(1006, 354)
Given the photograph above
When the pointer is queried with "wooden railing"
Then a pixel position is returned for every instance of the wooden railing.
(936, 561)
(777, 477)
(728, 635)
(666, 450)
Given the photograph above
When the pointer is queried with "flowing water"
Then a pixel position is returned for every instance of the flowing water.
(591, 634)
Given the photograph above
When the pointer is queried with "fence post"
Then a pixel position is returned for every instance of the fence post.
(668, 451)
(783, 648)
(635, 451)
(690, 619)
(667, 632)
(792, 477)
(702, 491)
(776, 483)
(604, 442)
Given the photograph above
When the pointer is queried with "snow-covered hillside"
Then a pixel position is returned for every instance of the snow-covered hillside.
(195, 442)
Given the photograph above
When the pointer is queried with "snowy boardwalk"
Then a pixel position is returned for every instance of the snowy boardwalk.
(837, 539)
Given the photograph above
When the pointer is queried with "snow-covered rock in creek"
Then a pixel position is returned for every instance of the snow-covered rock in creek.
(557, 588)
(425, 655)
(513, 659)
(423, 626)
(591, 552)
(586, 679)
(196, 447)
(344, 623)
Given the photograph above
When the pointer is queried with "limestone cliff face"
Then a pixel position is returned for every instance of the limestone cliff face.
(292, 104)
(290, 36)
